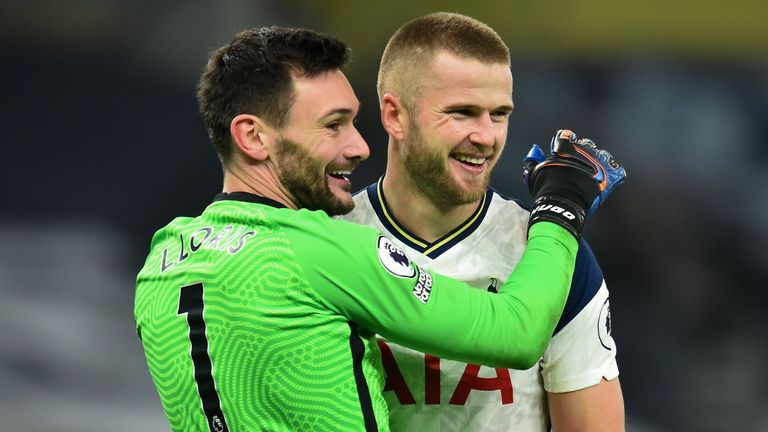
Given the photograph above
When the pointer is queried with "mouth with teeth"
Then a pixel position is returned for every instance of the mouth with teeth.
(474, 164)
(339, 176)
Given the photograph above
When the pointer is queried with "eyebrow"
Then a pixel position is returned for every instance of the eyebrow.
(459, 106)
(338, 111)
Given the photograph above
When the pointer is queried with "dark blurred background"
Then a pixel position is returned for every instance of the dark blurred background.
(102, 145)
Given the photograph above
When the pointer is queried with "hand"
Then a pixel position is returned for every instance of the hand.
(572, 182)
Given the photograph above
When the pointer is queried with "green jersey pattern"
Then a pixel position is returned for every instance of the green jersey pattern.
(255, 317)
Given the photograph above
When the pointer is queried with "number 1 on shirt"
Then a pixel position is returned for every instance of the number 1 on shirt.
(191, 304)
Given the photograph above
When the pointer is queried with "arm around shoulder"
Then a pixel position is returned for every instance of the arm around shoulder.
(363, 276)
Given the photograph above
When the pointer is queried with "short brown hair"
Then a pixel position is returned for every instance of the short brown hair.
(253, 74)
(417, 42)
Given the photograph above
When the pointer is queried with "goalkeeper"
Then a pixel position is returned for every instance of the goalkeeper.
(260, 313)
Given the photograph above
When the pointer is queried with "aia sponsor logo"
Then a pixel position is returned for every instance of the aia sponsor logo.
(470, 381)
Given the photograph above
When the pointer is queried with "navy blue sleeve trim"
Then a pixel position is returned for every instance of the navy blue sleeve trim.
(587, 280)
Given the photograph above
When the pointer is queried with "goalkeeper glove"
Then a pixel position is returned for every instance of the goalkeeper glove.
(572, 182)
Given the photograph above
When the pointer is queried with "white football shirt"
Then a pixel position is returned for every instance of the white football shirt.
(425, 393)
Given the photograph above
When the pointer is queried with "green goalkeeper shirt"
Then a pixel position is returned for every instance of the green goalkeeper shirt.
(258, 317)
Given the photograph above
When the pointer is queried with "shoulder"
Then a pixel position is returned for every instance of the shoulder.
(508, 201)
(505, 206)
(505, 221)
(364, 212)
(320, 234)
(321, 223)
(170, 231)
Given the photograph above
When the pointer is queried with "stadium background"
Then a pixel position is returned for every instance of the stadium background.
(102, 144)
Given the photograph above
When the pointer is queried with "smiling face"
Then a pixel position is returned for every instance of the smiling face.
(458, 129)
(319, 146)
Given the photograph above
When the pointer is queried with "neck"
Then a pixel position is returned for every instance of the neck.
(417, 212)
(258, 179)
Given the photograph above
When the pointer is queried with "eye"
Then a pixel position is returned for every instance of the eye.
(500, 115)
(465, 112)
(334, 126)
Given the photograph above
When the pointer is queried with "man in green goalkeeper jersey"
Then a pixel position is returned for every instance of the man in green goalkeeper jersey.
(260, 313)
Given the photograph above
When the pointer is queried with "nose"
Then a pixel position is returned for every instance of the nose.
(483, 132)
(356, 147)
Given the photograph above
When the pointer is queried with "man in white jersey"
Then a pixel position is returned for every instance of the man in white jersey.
(445, 91)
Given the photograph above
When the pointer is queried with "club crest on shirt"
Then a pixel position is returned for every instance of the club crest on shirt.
(394, 260)
(217, 424)
(604, 326)
(493, 286)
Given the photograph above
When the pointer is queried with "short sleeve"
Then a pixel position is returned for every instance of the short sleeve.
(583, 352)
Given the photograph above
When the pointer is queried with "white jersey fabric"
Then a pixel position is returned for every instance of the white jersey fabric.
(425, 393)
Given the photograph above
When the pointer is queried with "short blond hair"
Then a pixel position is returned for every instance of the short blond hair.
(417, 42)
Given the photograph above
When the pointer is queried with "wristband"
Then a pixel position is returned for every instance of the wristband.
(559, 211)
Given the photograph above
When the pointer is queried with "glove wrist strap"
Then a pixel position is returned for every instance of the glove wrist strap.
(559, 211)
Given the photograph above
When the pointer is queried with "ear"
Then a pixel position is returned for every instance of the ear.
(251, 136)
(394, 118)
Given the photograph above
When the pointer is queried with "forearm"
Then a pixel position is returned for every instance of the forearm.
(509, 329)
(441, 316)
(538, 288)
